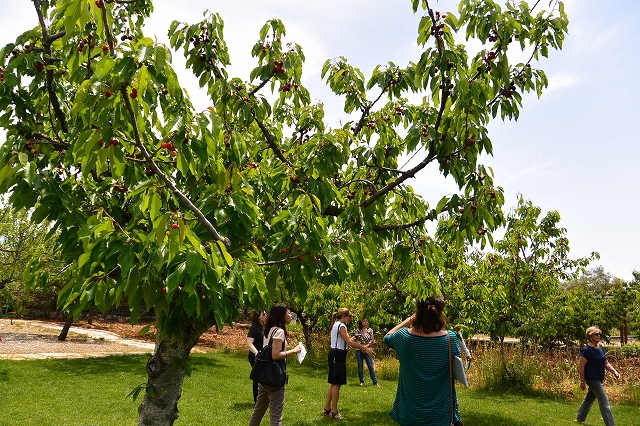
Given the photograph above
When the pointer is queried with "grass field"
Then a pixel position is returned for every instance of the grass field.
(88, 392)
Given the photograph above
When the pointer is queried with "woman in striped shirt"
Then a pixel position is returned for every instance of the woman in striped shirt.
(425, 389)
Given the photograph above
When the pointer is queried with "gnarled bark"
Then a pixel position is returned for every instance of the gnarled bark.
(165, 374)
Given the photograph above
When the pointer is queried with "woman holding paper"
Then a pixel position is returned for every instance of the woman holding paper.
(426, 394)
(275, 328)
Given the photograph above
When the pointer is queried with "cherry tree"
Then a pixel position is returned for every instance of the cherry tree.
(196, 213)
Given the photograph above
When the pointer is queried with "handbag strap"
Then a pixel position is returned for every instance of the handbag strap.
(273, 331)
(450, 378)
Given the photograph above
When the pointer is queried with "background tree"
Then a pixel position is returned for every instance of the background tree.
(20, 241)
(615, 297)
(505, 292)
(196, 213)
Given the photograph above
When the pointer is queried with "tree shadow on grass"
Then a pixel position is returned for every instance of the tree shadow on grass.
(88, 366)
(242, 407)
(122, 363)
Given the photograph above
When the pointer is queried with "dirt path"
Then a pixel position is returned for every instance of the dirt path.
(38, 340)
(27, 339)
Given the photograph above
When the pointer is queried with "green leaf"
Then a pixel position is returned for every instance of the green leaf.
(225, 253)
(176, 277)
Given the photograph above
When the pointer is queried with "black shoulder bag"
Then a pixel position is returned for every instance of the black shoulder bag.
(266, 371)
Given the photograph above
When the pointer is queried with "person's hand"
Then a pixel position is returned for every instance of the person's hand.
(616, 375)
(297, 349)
(583, 385)
(369, 351)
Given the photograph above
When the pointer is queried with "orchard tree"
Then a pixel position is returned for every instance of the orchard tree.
(615, 295)
(505, 292)
(20, 241)
(197, 213)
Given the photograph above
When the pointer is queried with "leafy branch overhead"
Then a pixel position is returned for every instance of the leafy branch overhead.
(196, 213)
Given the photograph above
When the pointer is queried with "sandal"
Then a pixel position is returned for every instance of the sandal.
(326, 412)
(336, 416)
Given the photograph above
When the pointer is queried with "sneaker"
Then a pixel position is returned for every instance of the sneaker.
(361, 383)
(580, 422)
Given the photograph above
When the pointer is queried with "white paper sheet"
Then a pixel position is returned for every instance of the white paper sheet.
(302, 353)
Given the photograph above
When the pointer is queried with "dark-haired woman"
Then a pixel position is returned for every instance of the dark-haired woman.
(426, 394)
(276, 328)
(364, 335)
(254, 342)
(338, 359)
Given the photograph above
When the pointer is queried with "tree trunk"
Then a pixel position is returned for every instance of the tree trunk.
(307, 328)
(165, 374)
(65, 328)
(624, 330)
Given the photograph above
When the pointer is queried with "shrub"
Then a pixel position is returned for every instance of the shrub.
(631, 350)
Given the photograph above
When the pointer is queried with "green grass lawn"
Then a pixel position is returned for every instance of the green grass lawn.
(93, 391)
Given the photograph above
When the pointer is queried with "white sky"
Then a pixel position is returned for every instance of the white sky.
(575, 150)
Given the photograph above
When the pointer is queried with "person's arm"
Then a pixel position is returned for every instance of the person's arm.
(276, 348)
(404, 324)
(463, 346)
(612, 370)
(345, 336)
(251, 346)
(583, 362)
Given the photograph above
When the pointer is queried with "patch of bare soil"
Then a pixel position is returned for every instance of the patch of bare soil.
(231, 337)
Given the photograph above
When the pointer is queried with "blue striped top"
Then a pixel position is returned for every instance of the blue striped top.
(423, 396)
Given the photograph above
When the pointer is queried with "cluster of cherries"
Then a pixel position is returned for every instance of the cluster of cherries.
(171, 147)
(436, 29)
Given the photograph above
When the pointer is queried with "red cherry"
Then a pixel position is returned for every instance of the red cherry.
(108, 93)
(99, 4)
(175, 226)
(134, 93)
(105, 48)
(173, 153)
(164, 289)
(299, 258)
(283, 251)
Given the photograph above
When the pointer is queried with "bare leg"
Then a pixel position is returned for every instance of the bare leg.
(333, 393)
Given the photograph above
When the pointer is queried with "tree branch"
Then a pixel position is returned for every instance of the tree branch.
(47, 40)
(260, 86)
(138, 141)
(399, 226)
(270, 141)
(366, 110)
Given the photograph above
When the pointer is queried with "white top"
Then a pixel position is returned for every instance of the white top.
(337, 342)
(278, 334)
